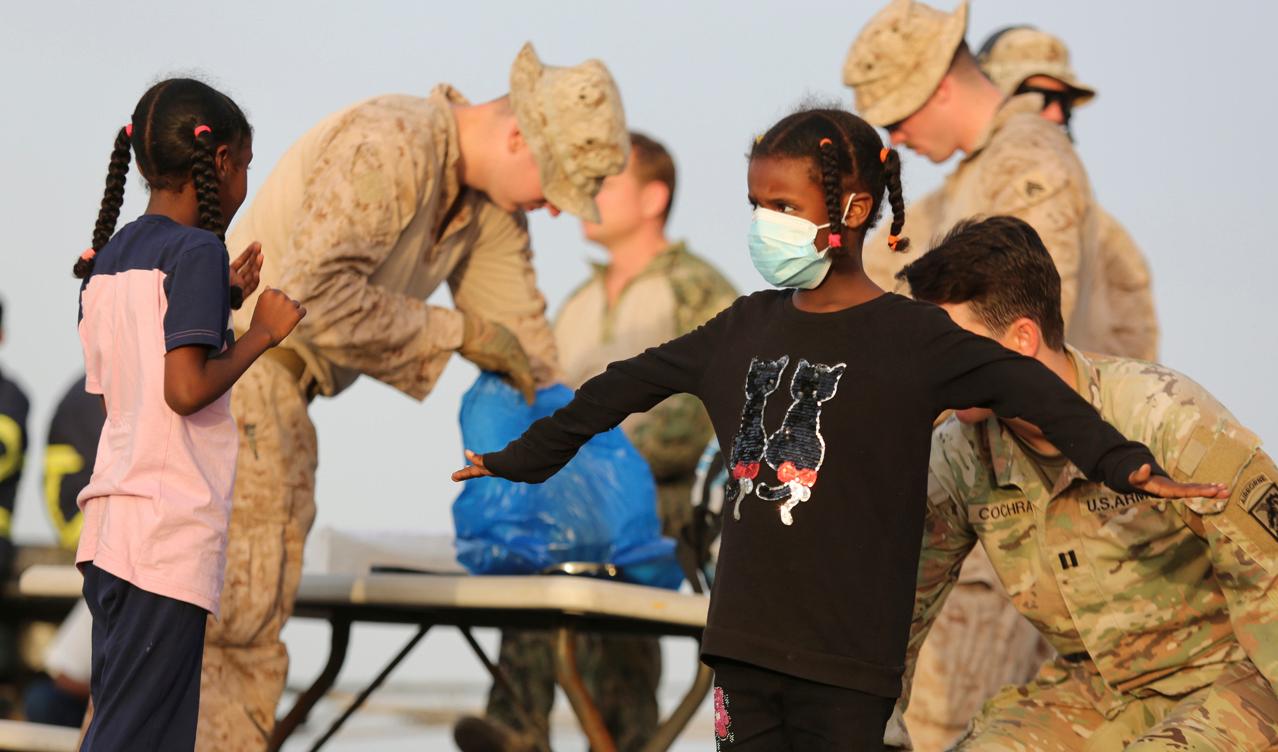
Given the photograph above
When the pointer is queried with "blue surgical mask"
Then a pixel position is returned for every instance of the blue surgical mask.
(783, 248)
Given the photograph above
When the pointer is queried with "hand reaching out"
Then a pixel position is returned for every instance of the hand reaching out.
(1166, 488)
(476, 468)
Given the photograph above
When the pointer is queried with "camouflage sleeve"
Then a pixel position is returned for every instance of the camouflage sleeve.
(358, 200)
(1242, 536)
(947, 540)
(672, 435)
(497, 282)
(1048, 190)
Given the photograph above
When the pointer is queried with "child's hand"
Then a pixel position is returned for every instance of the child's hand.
(475, 470)
(1166, 488)
(246, 271)
(276, 314)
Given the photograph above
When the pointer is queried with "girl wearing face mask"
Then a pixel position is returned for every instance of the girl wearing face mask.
(825, 390)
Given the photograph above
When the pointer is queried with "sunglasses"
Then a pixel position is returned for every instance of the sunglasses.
(1065, 99)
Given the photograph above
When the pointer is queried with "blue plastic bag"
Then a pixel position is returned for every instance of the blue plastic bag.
(601, 507)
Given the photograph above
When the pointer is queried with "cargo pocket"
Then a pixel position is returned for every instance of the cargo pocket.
(251, 593)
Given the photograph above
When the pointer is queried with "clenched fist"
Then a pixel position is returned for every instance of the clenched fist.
(276, 314)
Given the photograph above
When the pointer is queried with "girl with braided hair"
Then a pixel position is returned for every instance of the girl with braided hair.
(814, 590)
(155, 302)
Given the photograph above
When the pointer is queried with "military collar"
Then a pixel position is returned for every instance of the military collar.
(1087, 375)
(1010, 461)
(1011, 107)
(662, 262)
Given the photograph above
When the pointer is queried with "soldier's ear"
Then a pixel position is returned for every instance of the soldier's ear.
(1023, 336)
(654, 198)
(513, 137)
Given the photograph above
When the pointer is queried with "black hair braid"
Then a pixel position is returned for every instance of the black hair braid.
(204, 175)
(851, 161)
(896, 198)
(112, 200)
(832, 184)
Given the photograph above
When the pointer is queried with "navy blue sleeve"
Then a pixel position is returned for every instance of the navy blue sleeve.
(198, 292)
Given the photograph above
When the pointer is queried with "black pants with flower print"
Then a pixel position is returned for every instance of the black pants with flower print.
(757, 710)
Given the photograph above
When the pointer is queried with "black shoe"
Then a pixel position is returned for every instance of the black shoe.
(474, 734)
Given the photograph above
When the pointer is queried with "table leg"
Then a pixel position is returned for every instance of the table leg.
(670, 729)
(372, 687)
(339, 640)
(569, 677)
(502, 678)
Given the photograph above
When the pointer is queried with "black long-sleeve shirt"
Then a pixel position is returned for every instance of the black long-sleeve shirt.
(828, 417)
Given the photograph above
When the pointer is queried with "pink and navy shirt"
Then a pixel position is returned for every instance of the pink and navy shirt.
(157, 507)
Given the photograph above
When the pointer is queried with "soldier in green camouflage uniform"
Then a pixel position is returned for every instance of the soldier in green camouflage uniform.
(651, 291)
(1164, 612)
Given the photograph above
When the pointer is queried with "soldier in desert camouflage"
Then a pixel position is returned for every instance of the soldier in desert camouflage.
(1025, 60)
(363, 218)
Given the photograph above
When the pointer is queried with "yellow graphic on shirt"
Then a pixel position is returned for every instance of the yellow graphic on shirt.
(61, 460)
(11, 442)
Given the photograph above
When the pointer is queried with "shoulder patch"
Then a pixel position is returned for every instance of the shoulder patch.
(1259, 497)
(1033, 187)
(1026, 166)
(1250, 519)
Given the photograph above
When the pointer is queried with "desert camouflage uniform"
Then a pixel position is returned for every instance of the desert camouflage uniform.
(360, 221)
(673, 295)
(1164, 612)
(1133, 324)
(1012, 57)
(1026, 167)
(1134, 329)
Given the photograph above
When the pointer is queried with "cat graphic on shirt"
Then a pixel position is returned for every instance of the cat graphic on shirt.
(797, 449)
(751, 440)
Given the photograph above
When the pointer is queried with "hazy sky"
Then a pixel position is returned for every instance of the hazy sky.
(1177, 143)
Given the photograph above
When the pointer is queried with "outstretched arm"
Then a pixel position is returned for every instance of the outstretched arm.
(967, 370)
(627, 386)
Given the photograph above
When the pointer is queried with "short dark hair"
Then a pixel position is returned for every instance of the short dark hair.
(1000, 267)
(654, 163)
